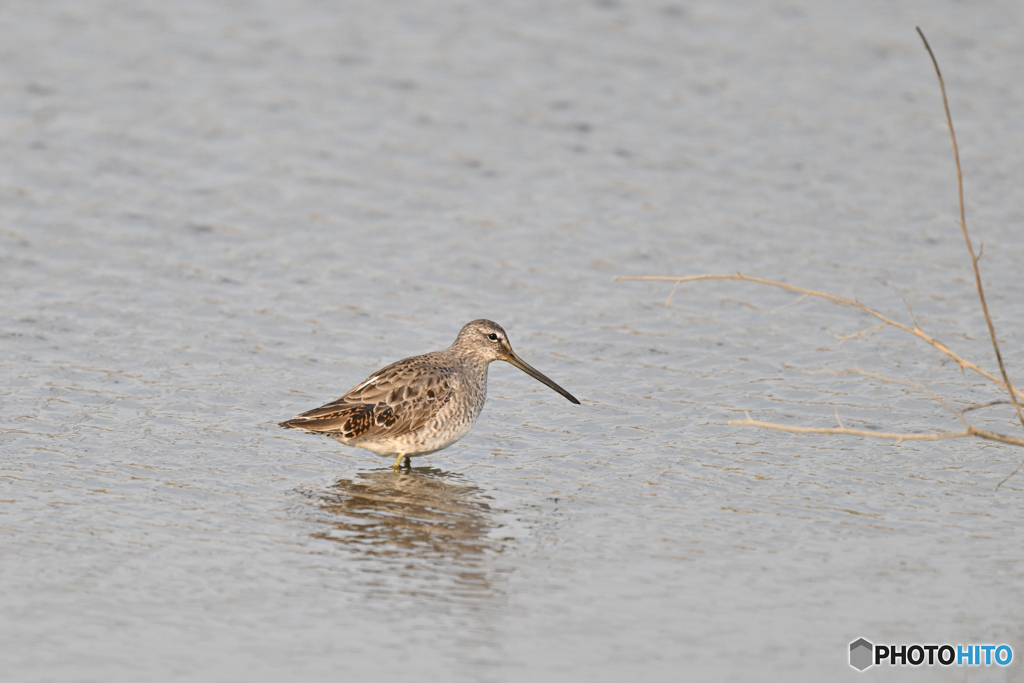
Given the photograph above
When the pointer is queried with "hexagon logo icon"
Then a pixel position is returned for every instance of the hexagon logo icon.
(861, 652)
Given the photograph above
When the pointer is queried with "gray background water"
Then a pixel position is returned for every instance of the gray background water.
(214, 215)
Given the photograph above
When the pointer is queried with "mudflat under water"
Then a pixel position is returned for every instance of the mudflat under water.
(214, 215)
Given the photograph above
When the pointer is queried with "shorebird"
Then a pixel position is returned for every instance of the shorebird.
(421, 404)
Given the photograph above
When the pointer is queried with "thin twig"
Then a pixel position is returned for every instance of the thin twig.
(784, 306)
(917, 332)
(1005, 382)
(970, 431)
(668, 301)
(892, 380)
(983, 405)
(854, 432)
(911, 312)
(970, 248)
(854, 335)
(916, 385)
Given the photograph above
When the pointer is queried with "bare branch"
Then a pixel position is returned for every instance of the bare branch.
(854, 432)
(967, 239)
(920, 387)
(995, 436)
(962, 362)
(668, 301)
(983, 405)
(970, 431)
(1005, 382)
(854, 335)
(911, 312)
(1008, 476)
(785, 306)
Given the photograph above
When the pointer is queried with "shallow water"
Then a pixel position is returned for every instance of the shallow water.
(217, 215)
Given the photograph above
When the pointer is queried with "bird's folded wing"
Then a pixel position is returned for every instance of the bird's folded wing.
(397, 400)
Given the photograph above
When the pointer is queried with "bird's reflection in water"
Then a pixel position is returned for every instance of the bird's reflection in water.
(422, 524)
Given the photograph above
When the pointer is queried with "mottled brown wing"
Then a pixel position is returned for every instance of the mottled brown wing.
(397, 400)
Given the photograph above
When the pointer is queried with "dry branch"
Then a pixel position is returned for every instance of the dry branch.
(916, 331)
(967, 238)
(916, 385)
(970, 430)
(979, 406)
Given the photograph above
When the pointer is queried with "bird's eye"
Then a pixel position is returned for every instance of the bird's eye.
(492, 336)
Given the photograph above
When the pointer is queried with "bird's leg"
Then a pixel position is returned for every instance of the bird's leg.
(398, 462)
(408, 462)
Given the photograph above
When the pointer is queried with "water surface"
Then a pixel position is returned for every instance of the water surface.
(217, 215)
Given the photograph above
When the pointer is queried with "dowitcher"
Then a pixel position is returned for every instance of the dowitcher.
(421, 404)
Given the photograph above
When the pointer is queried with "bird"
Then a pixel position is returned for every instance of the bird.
(421, 404)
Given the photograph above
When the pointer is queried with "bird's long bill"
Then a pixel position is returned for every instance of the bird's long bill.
(529, 370)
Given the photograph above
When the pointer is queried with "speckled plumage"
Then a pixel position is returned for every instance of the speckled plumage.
(421, 404)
